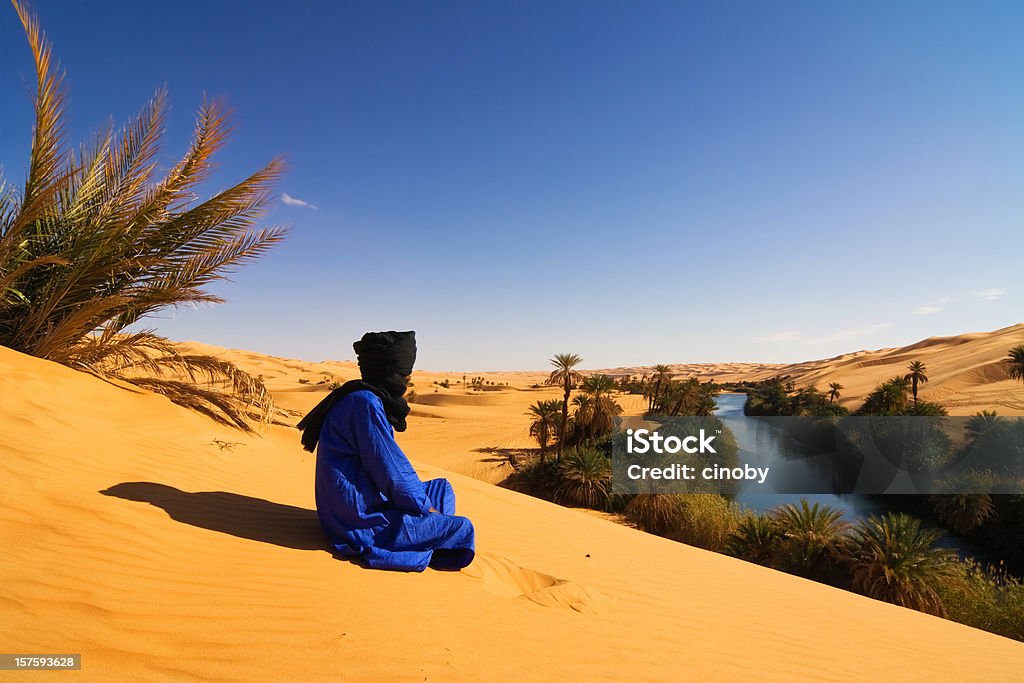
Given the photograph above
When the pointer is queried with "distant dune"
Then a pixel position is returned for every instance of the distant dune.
(163, 546)
(966, 373)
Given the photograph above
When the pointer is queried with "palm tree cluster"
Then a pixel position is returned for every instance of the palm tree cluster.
(97, 241)
(671, 397)
(594, 408)
(776, 397)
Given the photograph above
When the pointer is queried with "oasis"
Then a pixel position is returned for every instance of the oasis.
(668, 444)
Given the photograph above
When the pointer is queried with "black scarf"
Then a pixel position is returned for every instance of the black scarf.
(385, 359)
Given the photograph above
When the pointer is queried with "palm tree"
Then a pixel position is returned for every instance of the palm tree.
(981, 423)
(586, 477)
(888, 398)
(95, 242)
(706, 404)
(833, 391)
(664, 374)
(1015, 359)
(545, 424)
(582, 418)
(893, 559)
(755, 539)
(565, 375)
(916, 376)
(962, 512)
(811, 536)
(603, 407)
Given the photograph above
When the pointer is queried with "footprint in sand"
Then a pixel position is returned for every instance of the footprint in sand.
(504, 577)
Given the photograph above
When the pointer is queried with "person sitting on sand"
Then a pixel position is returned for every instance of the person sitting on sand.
(370, 502)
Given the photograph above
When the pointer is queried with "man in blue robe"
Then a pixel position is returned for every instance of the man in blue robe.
(370, 501)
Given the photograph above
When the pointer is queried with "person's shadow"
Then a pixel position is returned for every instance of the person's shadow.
(230, 513)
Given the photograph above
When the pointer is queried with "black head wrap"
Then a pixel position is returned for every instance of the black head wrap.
(385, 359)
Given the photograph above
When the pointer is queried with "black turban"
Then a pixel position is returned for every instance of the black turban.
(385, 360)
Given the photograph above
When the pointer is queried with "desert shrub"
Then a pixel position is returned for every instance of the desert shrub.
(535, 477)
(658, 513)
(707, 521)
(986, 598)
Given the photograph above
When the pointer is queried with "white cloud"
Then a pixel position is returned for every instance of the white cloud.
(780, 337)
(295, 201)
(847, 334)
(990, 294)
(926, 309)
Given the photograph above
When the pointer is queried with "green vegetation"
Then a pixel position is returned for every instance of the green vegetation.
(773, 397)
(989, 599)
(95, 242)
(963, 512)
(893, 559)
(586, 478)
(546, 420)
(810, 539)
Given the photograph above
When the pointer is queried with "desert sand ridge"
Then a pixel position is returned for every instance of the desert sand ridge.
(966, 371)
(163, 546)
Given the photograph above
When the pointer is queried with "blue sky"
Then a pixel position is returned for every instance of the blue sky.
(636, 182)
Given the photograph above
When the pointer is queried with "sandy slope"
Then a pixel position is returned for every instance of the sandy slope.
(135, 538)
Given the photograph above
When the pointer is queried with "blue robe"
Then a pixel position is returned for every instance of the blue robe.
(370, 501)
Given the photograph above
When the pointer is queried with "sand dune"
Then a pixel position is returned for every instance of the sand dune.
(966, 372)
(163, 546)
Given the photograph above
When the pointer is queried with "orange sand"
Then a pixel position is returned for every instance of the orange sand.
(131, 536)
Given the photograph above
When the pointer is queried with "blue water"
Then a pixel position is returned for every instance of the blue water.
(750, 437)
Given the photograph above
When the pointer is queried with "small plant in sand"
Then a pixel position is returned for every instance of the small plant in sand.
(95, 242)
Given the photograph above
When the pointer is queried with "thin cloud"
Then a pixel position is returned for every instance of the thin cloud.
(780, 337)
(926, 309)
(847, 334)
(295, 201)
(990, 294)
(931, 307)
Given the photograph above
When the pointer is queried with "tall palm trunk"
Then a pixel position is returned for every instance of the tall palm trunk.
(565, 419)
